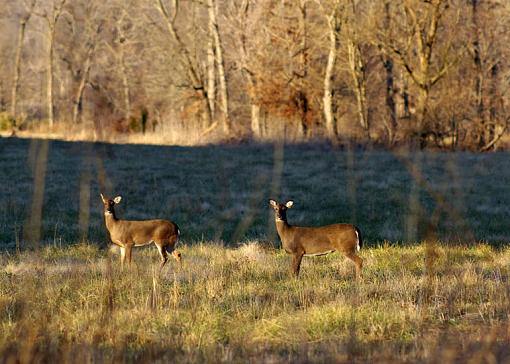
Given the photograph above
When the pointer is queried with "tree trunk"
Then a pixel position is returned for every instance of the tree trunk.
(402, 99)
(120, 55)
(421, 114)
(357, 70)
(479, 78)
(2, 96)
(493, 102)
(329, 108)
(78, 100)
(49, 84)
(52, 21)
(125, 88)
(423, 93)
(17, 60)
(17, 67)
(256, 123)
(220, 64)
(390, 99)
(302, 98)
(256, 126)
(390, 89)
(211, 75)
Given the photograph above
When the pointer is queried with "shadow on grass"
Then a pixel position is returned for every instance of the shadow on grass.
(50, 191)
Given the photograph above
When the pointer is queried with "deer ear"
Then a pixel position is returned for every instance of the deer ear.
(117, 199)
(289, 204)
(273, 203)
(102, 198)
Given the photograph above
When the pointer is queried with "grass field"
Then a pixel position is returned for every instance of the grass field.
(435, 286)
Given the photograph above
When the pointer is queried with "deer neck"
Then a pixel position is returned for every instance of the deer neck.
(110, 219)
(282, 226)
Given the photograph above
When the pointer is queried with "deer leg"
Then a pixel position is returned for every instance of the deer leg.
(162, 253)
(358, 262)
(296, 263)
(128, 253)
(122, 256)
(177, 256)
(171, 249)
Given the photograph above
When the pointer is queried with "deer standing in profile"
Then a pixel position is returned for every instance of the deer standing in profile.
(314, 241)
(130, 233)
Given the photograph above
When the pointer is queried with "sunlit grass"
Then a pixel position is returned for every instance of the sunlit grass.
(228, 303)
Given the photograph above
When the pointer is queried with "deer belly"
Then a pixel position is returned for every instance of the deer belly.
(143, 244)
(319, 253)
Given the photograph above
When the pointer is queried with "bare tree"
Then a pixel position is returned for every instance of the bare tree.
(213, 10)
(80, 65)
(120, 41)
(301, 98)
(391, 103)
(334, 19)
(418, 52)
(52, 16)
(357, 62)
(186, 60)
(479, 78)
(488, 55)
(28, 11)
(279, 68)
(211, 65)
(243, 18)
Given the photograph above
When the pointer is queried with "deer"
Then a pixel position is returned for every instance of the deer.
(316, 241)
(135, 233)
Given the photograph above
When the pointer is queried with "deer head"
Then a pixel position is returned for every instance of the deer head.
(109, 204)
(280, 210)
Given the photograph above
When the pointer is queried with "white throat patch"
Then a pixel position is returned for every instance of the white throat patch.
(107, 213)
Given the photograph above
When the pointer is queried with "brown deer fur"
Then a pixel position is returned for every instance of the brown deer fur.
(313, 241)
(129, 233)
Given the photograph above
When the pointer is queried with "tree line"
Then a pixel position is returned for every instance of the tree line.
(429, 73)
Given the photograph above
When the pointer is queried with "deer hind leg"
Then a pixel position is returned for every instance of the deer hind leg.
(162, 253)
(296, 263)
(358, 262)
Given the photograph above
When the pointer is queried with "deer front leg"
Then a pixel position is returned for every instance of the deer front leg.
(122, 256)
(128, 249)
(177, 256)
(296, 263)
(162, 254)
(358, 262)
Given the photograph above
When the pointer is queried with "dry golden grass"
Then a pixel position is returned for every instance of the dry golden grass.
(426, 303)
